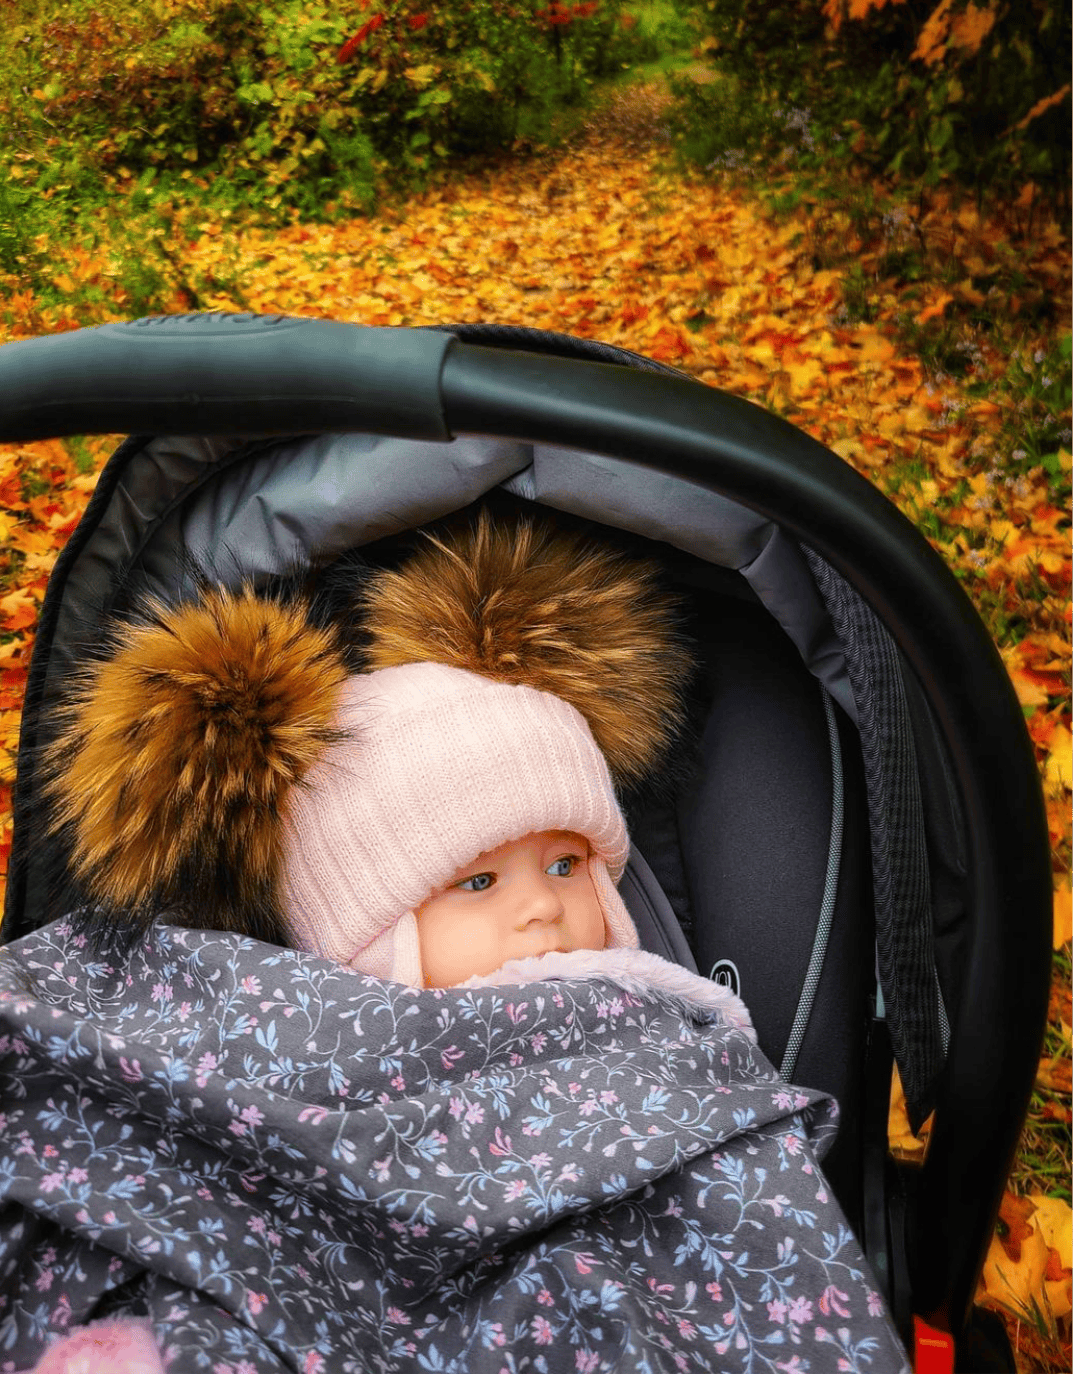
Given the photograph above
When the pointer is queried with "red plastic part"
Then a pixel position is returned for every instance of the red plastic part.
(933, 1349)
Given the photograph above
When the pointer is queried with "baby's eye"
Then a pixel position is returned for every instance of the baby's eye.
(562, 868)
(478, 882)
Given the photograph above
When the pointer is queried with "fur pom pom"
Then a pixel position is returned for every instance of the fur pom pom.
(177, 752)
(524, 603)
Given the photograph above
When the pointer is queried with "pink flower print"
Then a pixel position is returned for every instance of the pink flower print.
(456, 1107)
(545, 1299)
(607, 1097)
(832, 1300)
(398, 1316)
(516, 1059)
(257, 1225)
(585, 1361)
(515, 1190)
(162, 992)
(542, 1332)
(686, 1329)
(132, 1070)
(537, 1042)
(875, 1304)
(251, 985)
(584, 1263)
(800, 1310)
(205, 1066)
(51, 1182)
(78, 1175)
(451, 1055)
(249, 1116)
(714, 1292)
(256, 1302)
(382, 1168)
(43, 1282)
(568, 1174)
(821, 1194)
(791, 1366)
(501, 1145)
(495, 1335)
(776, 1312)
(475, 1115)
(50, 1152)
(777, 1203)
(398, 1083)
(792, 1144)
(314, 1363)
(184, 1011)
(540, 1161)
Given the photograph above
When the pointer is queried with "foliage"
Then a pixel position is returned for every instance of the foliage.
(941, 91)
(283, 103)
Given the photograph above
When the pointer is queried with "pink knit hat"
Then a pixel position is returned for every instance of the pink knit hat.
(439, 765)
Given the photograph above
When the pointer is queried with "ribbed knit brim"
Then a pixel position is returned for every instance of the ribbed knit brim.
(438, 766)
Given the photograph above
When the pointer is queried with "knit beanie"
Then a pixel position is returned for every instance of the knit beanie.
(447, 765)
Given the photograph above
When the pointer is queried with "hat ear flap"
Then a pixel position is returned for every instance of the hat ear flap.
(176, 755)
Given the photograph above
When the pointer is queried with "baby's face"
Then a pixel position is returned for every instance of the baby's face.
(525, 898)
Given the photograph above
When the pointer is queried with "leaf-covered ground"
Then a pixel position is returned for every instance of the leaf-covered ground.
(795, 308)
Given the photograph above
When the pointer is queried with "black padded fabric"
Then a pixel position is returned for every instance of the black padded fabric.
(743, 851)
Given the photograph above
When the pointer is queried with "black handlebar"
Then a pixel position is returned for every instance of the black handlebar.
(224, 374)
(254, 375)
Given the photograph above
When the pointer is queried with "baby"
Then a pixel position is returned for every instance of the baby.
(414, 1168)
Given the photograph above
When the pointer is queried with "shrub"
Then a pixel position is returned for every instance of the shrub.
(975, 93)
(288, 103)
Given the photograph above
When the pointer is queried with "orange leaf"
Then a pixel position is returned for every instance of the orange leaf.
(937, 306)
(19, 609)
(1041, 105)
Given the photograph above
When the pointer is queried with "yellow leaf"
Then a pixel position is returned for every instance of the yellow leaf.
(1055, 1220)
(1063, 920)
(1059, 770)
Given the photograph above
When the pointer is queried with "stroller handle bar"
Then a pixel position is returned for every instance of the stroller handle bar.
(254, 375)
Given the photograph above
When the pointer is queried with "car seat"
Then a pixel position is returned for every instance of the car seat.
(854, 835)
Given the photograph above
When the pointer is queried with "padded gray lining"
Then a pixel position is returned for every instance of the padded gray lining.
(316, 497)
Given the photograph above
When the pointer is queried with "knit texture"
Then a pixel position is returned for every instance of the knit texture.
(439, 765)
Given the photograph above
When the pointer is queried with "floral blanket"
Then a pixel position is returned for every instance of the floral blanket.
(285, 1165)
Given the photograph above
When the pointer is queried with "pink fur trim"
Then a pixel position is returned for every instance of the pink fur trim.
(120, 1346)
(633, 970)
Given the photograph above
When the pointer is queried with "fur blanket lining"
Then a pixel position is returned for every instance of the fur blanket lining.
(633, 970)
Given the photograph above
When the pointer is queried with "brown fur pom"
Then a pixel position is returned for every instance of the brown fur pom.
(177, 752)
(525, 603)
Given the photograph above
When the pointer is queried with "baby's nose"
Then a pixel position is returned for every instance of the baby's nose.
(539, 903)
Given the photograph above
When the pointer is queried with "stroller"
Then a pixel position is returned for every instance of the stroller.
(860, 849)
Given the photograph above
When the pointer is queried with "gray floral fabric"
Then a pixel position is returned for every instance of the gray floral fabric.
(289, 1166)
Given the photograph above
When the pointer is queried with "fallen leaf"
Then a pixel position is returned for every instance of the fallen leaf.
(1054, 1075)
(1063, 916)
